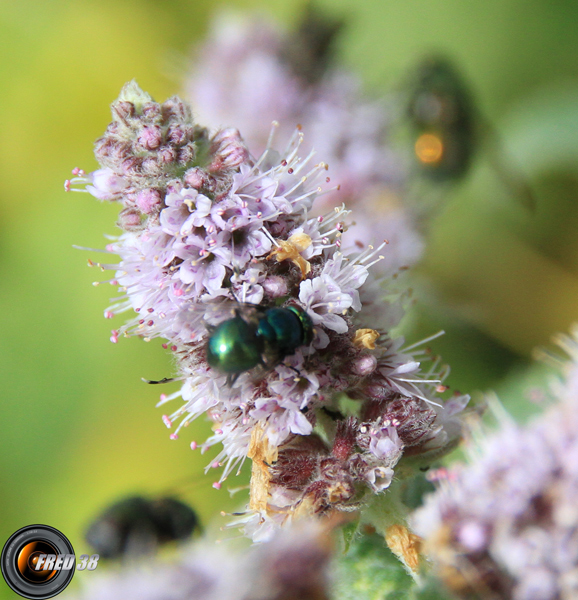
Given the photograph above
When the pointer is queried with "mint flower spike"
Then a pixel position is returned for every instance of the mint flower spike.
(250, 72)
(504, 525)
(230, 236)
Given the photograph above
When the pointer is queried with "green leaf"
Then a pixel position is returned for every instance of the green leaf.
(369, 571)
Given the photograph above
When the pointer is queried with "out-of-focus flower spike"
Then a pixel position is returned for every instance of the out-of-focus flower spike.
(505, 522)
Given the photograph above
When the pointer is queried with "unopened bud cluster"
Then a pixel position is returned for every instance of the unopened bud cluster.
(150, 148)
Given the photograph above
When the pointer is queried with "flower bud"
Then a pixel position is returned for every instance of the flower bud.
(148, 200)
(364, 365)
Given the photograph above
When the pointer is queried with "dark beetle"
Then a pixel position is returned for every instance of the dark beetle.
(448, 130)
(443, 117)
(137, 525)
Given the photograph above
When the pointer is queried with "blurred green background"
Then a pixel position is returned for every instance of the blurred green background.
(78, 426)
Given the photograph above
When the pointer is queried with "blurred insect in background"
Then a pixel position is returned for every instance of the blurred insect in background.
(257, 337)
(441, 112)
(448, 129)
(309, 51)
(136, 526)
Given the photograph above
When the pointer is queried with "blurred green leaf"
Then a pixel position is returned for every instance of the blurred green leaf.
(369, 571)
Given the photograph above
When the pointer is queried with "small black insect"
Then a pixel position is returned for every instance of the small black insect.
(309, 50)
(137, 525)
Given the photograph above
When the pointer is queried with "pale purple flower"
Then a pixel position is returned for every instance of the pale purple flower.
(246, 75)
(507, 521)
(185, 210)
(385, 443)
(232, 235)
(323, 299)
(106, 185)
(283, 418)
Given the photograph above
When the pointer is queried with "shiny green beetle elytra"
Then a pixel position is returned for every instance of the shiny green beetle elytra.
(257, 337)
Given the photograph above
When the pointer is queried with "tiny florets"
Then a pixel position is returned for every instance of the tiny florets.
(214, 236)
(506, 523)
(250, 72)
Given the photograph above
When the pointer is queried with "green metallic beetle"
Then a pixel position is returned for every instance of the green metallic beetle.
(449, 130)
(257, 336)
(445, 120)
